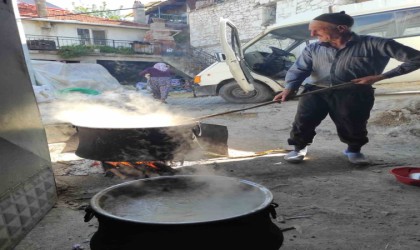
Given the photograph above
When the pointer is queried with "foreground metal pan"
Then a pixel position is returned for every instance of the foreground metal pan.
(185, 212)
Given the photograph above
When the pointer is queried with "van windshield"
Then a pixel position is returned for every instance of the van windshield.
(273, 54)
(297, 32)
(282, 38)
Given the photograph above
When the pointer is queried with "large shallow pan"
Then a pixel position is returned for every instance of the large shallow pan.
(185, 212)
(134, 144)
(151, 143)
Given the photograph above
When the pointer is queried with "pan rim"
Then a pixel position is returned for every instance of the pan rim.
(268, 198)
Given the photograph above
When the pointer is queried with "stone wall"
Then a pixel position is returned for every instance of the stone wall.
(250, 16)
(287, 8)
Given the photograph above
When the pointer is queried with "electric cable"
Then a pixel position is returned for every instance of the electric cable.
(84, 13)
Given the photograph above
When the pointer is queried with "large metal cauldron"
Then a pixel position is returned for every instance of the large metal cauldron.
(185, 212)
(134, 144)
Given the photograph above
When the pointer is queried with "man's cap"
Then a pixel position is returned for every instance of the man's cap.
(340, 18)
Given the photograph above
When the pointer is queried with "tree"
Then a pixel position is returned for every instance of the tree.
(98, 11)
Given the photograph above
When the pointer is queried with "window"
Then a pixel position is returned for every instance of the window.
(382, 25)
(84, 36)
(391, 24)
(99, 37)
(408, 22)
(282, 38)
(273, 54)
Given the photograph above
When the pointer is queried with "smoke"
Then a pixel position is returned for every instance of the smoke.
(204, 169)
(114, 110)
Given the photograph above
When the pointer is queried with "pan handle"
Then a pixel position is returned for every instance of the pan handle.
(89, 213)
(272, 209)
(197, 129)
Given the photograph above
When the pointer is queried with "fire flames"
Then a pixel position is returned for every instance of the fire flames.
(138, 169)
(129, 164)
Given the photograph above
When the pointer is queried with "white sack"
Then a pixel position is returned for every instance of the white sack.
(59, 76)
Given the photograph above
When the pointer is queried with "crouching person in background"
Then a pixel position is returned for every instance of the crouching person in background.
(160, 80)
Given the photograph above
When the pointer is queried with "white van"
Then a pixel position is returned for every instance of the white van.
(256, 73)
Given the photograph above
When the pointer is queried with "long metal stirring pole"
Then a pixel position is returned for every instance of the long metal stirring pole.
(271, 102)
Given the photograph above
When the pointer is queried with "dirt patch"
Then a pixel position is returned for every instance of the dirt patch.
(408, 112)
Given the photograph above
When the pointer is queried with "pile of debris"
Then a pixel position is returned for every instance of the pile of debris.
(398, 113)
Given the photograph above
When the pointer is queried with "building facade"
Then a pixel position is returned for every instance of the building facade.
(250, 16)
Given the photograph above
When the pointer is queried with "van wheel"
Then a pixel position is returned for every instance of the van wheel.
(233, 93)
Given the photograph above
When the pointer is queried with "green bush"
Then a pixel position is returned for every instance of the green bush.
(119, 50)
(83, 50)
(75, 51)
(107, 49)
(125, 51)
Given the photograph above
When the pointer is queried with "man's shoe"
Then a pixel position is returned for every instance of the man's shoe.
(296, 156)
(356, 158)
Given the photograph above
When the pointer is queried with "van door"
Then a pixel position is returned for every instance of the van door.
(234, 55)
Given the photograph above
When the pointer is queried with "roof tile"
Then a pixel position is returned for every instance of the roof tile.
(29, 10)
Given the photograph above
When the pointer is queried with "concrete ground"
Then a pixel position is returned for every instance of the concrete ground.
(329, 203)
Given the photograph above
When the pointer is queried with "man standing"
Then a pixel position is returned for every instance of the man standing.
(340, 56)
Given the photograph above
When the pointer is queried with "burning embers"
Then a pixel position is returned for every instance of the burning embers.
(137, 170)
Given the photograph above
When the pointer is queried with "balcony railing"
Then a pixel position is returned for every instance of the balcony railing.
(36, 42)
(171, 18)
(193, 60)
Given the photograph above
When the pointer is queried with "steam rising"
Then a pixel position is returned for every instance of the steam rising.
(127, 110)
(115, 110)
(184, 199)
